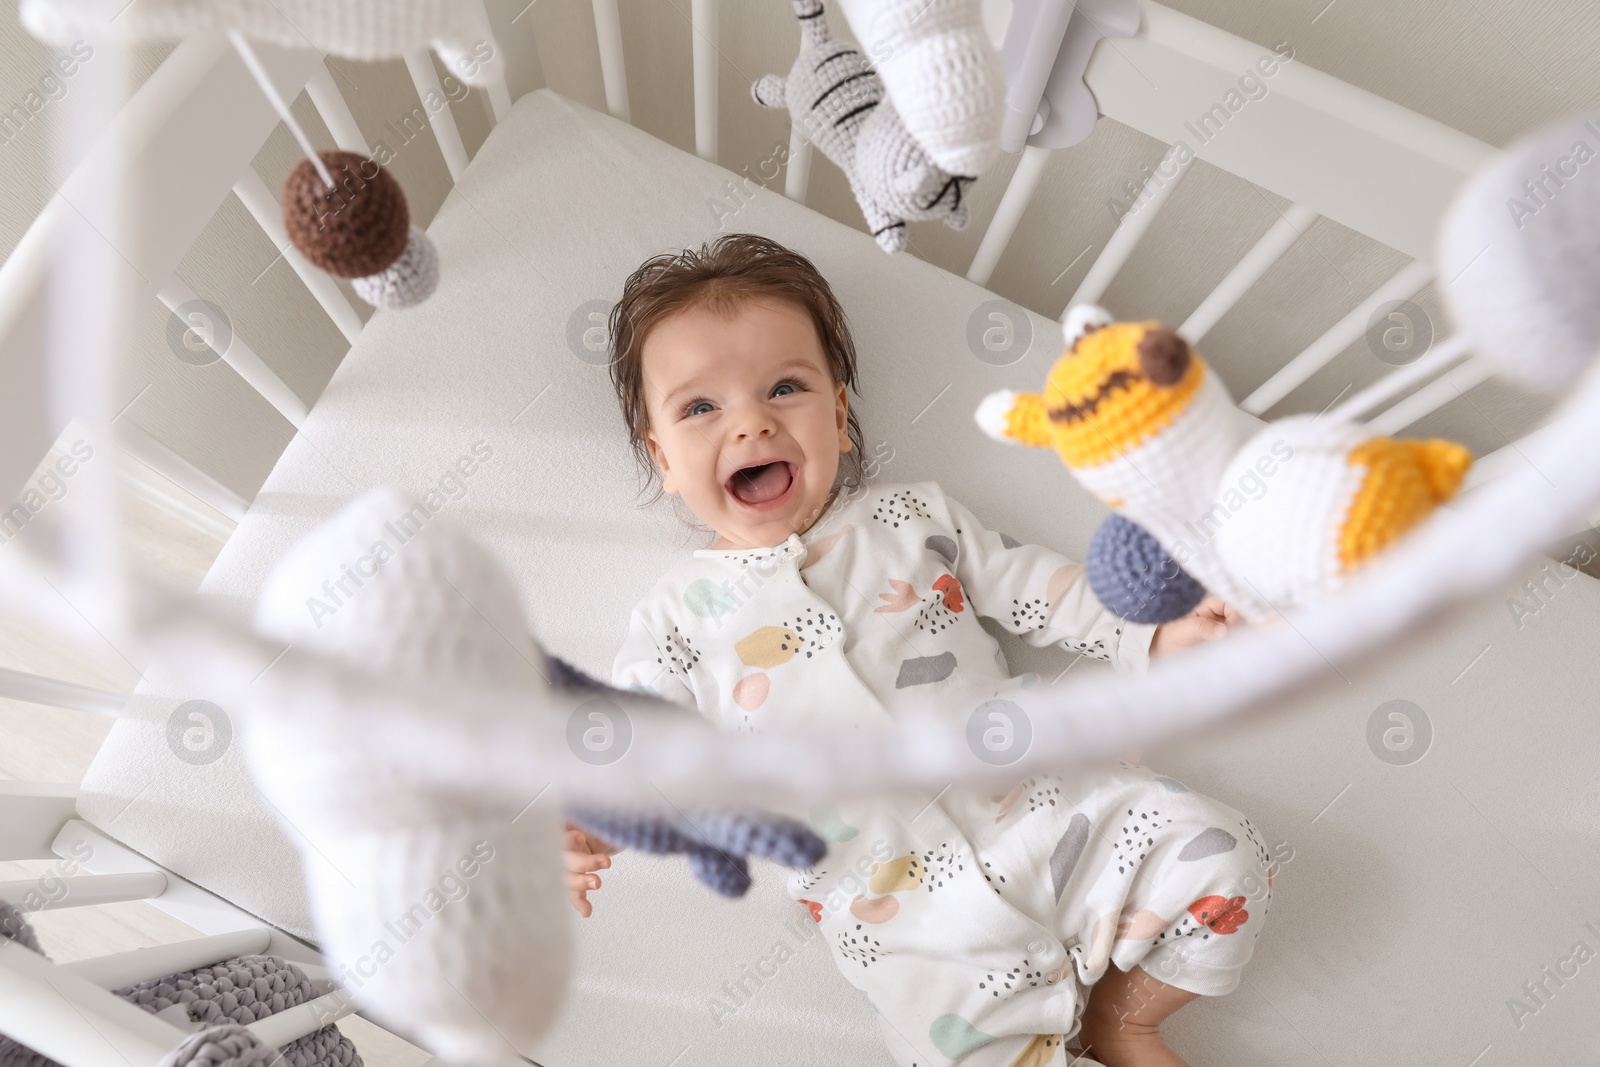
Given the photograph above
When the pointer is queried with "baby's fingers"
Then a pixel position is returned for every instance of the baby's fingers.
(585, 861)
(578, 887)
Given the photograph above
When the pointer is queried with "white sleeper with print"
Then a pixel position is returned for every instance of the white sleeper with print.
(974, 924)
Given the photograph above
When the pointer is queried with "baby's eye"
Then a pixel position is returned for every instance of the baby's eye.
(694, 406)
(787, 383)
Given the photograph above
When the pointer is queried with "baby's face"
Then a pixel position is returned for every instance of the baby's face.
(746, 421)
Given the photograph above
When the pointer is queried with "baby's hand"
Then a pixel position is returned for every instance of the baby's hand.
(1207, 622)
(585, 852)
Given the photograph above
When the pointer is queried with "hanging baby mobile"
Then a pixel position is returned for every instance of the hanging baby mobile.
(348, 216)
(1147, 427)
(838, 99)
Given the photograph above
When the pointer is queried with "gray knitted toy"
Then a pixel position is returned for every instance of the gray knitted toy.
(716, 840)
(835, 96)
(223, 998)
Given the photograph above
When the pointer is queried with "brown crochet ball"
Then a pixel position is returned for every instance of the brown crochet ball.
(354, 230)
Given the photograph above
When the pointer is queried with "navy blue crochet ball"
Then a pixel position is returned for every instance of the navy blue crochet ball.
(1135, 577)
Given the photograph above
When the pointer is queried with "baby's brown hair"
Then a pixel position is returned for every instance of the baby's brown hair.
(732, 268)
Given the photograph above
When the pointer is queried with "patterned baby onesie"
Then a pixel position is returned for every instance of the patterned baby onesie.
(973, 923)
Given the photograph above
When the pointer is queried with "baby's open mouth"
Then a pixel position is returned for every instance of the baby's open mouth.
(761, 483)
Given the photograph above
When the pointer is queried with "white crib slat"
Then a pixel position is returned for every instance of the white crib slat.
(15, 685)
(1249, 270)
(1398, 381)
(335, 111)
(1431, 398)
(201, 95)
(499, 95)
(268, 213)
(52, 894)
(167, 463)
(608, 28)
(243, 359)
(419, 63)
(703, 26)
(73, 1021)
(1157, 189)
(499, 89)
(1019, 193)
(291, 1024)
(798, 167)
(1496, 464)
(1352, 156)
(31, 815)
(1344, 333)
(183, 900)
(142, 964)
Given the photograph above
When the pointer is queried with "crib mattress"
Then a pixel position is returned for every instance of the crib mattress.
(1415, 899)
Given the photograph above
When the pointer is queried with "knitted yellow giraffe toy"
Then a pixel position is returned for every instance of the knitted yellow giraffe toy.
(1266, 521)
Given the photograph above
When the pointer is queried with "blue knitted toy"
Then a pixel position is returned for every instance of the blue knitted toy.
(1134, 577)
(716, 840)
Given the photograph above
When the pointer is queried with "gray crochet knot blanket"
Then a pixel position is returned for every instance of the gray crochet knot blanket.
(219, 1000)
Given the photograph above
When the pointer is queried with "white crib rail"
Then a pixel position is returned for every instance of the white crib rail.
(703, 25)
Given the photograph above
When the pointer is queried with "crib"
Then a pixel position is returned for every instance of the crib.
(1392, 859)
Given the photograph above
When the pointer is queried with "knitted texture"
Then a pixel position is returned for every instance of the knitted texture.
(835, 96)
(1266, 524)
(468, 895)
(408, 281)
(716, 840)
(13, 927)
(228, 1045)
(1132, 575)
(1521, 253)
(1153, 452)
(357, 228)
(1342, 498)
(365, 30)
(239, 990)
(940, 70)
(225, 996)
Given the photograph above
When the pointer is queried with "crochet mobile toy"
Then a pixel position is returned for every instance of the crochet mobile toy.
(1521, 255)
(1135, 577)
(219, 1002)
(364, 30)
(1268, 522)
(716, 841)
(835, 96)
(941, 72)
(359, 228)
(375, 591)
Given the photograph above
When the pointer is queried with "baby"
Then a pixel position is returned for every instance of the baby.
(988, 930)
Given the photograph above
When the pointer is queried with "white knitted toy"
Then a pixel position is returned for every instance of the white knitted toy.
(1520, 250)
(835, 97)
(465, 896)
(1267, 524)
(354, 29)
(941, 72)
(406, 282)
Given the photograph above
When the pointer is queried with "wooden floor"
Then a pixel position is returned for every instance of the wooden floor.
(53, 745)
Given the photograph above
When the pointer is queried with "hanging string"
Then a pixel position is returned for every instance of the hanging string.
(257, 71)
